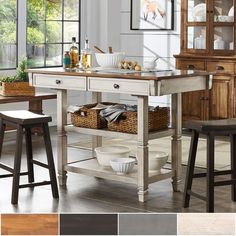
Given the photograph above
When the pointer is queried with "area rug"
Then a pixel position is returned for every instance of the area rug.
(222, 149)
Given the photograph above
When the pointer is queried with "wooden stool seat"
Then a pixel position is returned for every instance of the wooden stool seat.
(23, 117)
(227, 125)
(210, 129)
(25, 121)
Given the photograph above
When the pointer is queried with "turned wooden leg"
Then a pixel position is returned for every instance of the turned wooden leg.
(176, 142)
(142, 151)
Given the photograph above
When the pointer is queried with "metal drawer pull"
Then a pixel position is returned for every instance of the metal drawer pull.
(116, 86)
(220, 68)
(58, 81)
(191, 67)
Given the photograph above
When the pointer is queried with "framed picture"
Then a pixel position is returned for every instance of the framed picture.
(152, 15)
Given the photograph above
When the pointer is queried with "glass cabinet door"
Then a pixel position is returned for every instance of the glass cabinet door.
(196, 37)
(223, 38)
(223, 25)
(197, 10)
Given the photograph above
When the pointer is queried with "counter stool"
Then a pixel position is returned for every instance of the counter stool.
(25, 120)
(211, 129)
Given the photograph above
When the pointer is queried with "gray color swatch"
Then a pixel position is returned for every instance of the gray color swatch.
(147, 224)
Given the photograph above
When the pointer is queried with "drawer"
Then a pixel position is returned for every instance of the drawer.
(221, 67)
(190, 65)
(57, 82)
(113, 85)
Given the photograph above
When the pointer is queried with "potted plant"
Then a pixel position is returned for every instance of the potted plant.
(17, 85)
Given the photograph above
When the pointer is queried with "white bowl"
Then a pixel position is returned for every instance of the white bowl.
(109, 60)
(157, 160)
(106, 154)
(122, 165)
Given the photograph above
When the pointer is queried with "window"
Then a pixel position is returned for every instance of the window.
(50, 26)
(40, 29)
(8, 34)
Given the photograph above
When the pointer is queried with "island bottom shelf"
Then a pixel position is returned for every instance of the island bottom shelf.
(91, 167)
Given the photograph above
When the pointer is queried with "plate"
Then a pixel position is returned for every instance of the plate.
(199, 11)
(231, 11)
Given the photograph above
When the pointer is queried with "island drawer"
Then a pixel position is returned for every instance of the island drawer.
(113, 85)
(65, 82)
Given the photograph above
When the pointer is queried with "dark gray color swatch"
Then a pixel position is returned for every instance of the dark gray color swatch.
(147, 224)
(88, 224)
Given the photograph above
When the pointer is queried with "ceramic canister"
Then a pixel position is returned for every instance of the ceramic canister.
(219, 43)
(200, 42)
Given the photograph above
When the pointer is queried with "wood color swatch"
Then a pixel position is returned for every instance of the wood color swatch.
(29, 224)
(88, 224)
(206, 224)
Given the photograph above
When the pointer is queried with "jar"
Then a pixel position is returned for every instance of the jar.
(219, 43)
(200, 42)
(66, 60)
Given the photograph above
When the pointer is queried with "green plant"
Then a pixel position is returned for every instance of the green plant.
(21, 74)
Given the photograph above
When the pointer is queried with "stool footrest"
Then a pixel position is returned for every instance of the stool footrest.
(6, 167)
(216, 173)
(38, 163)
(225, 182)
(35, 184)
(196, 195)
(11, 175)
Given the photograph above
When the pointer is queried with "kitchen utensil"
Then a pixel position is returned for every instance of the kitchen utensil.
(98, 49)
(110, 49)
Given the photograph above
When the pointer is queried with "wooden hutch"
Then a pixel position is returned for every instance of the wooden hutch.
(208, 33)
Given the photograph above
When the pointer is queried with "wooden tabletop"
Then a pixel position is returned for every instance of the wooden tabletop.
(37, 96)
(159, 75)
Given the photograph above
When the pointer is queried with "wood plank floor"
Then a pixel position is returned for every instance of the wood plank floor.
(85, 194)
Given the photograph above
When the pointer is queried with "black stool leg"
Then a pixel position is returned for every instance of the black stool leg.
(210, 173)
(233, 165)
(190, 168)
(2, 130)
(29, 154)
(52, 172)
(17, 163)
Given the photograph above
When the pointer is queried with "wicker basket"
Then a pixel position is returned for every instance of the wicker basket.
(89, 118)
(157, 120)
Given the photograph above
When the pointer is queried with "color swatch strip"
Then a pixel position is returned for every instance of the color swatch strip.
(119, 224)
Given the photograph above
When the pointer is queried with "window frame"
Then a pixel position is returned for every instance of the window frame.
(21, 35)
(78, 37)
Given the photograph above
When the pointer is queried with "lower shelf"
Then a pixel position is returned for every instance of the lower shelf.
(91, 167)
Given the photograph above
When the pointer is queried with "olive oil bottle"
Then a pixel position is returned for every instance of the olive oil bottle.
(86, 55)
(74, 54)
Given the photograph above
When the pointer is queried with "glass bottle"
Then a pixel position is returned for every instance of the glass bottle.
(74, 54)
(86, 55)
(66, 60)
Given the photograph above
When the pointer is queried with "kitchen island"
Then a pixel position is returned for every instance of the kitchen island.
(141, 85)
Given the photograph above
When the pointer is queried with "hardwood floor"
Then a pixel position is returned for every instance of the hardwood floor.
(88, 194)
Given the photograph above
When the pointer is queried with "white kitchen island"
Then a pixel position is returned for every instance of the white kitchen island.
(141, 85)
